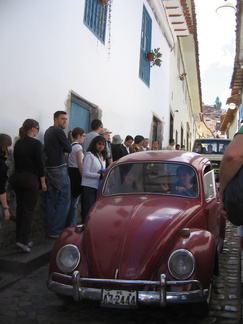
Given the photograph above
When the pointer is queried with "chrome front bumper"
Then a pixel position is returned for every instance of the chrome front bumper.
(160, 297)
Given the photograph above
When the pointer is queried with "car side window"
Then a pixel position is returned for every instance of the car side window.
(209, 185)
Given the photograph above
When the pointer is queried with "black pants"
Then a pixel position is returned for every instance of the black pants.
(26, 186)
(88, 199)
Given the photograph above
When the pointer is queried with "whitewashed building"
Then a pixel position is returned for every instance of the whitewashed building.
(233, 119)
(89, 59)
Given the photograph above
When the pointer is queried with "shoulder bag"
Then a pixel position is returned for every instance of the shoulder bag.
(233, 199)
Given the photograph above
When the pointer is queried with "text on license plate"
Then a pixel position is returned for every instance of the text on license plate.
(119, 298)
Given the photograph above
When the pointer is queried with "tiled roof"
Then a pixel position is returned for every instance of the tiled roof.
(179, 17)
(237, 78)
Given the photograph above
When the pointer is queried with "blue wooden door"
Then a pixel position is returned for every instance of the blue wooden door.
(79, 117)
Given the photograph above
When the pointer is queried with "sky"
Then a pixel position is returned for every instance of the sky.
(216, 39)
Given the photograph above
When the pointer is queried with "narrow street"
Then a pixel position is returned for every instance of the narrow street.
(29, 301)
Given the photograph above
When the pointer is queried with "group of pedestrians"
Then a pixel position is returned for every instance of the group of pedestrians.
(69, 169)
(172, 145)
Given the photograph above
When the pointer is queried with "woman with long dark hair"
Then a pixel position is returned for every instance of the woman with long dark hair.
(93, 169)
(75, 165)
(28, 178)
(5, 143)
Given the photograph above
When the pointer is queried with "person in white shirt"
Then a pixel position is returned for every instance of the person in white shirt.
(75, 165)
(145, 144)
(93, 169)
(171, 145)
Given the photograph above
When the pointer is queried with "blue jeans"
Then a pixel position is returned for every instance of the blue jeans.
(57, 199)
(72, 214)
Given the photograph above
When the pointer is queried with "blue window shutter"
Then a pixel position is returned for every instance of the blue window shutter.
(95, 18)
(145, 47)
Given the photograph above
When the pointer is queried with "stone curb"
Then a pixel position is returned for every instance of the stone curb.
(15, 264)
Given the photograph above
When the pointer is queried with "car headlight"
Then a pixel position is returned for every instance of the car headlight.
(181, 264)
(68, 258)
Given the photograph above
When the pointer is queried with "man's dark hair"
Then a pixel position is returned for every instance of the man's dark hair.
(95, 124)
(128, 138)
(58, 113)
(171, 140)
(138, 139)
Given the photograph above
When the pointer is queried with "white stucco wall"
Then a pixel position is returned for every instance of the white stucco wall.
(48, 51)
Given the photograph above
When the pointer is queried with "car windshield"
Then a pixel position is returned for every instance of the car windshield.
(152, 178)
(210, 146)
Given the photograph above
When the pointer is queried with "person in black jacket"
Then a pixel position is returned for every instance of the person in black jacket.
(126, 146)
(28, 178)
(5, 143)
(58, 195)
(116, 147)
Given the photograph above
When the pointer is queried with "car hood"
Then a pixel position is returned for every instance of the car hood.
(127, 236)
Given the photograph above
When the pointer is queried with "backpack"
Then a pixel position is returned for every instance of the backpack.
(233, 199)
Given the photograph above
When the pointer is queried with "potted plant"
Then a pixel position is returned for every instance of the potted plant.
(182, 76)
(154, 56)
(150, 56)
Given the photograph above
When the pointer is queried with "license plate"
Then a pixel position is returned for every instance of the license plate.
(119, 298)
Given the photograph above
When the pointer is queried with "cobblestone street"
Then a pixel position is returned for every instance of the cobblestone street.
(29, 301)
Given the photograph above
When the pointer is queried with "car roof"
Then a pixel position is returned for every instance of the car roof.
(164, 156)
(212, 139)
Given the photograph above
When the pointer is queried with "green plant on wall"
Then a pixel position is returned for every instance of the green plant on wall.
(182, 76)
(154, 56)
(109, 26)
(105, 13)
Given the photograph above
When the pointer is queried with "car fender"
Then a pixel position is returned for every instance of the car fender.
(202, 245)
(71, 235)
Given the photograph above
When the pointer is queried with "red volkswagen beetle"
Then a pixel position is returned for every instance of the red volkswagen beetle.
(152, 237)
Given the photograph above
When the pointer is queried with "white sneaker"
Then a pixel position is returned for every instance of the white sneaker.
(30, 244)
(54, 236)
(23, 247)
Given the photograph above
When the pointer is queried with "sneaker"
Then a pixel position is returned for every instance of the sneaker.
(30, 244)
(23, 247)
(54, 236)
